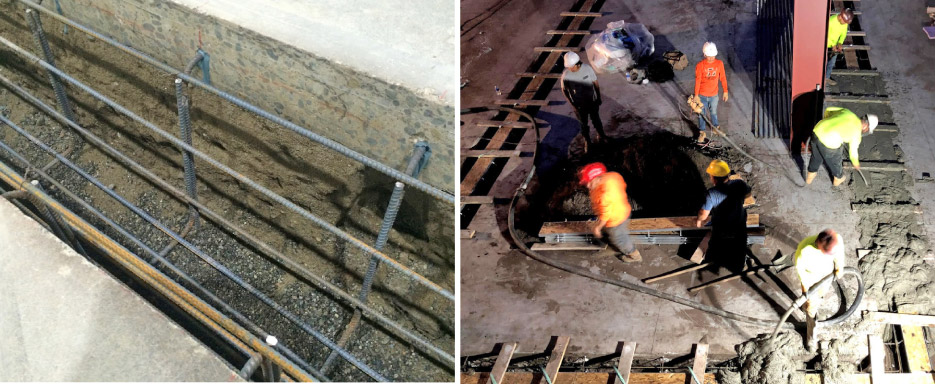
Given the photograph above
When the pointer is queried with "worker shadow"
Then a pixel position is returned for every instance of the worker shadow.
(554, 146)
(807, 108)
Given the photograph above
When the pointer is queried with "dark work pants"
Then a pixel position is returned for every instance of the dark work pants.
(728, 252)
(619, 237)
(589, 111)
(822, 154)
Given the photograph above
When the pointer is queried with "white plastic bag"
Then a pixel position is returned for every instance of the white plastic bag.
(619, 47)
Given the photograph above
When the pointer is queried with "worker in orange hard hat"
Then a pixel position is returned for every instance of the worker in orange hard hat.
(609, 201)
(837, 31)
(724, 204)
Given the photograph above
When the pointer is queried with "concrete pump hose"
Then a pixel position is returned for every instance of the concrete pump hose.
(814, 290)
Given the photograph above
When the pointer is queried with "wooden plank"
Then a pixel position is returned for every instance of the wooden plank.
(900, 318)
(467, 233)
(503, 361)
(626, 361)
(855, 72)
(698, 255)
(675, 273)
(877, 355)
(569, 32)
(700, 362)
(508, 124)
(855, 47)
(558, 49)
(548, 75)
(474, 175)
(856, 33)
(917, 356)
(491, 153)
(725, 279)
(581, 14)
(585, 378)
(636, 225)
(476, 199)
(568, 247)
(538, 103)
(834, 12)
(555, 360)
(850, 59)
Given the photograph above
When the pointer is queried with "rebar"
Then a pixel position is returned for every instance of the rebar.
(221, 319)
(249, 182)
(209, 260)
(39, 35)
(331, 144)
(275, 255)
(185, 128)
(419, 156)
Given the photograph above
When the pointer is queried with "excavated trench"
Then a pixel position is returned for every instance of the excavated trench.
(317, 179)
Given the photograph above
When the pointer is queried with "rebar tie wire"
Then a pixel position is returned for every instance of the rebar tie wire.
(331, 144)
(273, 195)
(276, 255)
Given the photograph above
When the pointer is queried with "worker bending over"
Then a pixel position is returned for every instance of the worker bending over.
(579, 85)
(839, 126)
(707, 74)
(816, 257)
(837, 32)
(724, 203)
(609, 201)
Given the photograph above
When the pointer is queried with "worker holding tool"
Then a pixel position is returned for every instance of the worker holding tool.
(724, 203)
(707, 74)
(816, 257)
(609, 201)
(837, 32)
(839, 126)
(579, 85)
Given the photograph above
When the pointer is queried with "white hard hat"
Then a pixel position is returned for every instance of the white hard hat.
(571, 59)
(872, 121)
(709, 49)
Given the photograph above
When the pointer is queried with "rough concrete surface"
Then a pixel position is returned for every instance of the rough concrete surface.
(64, 319)
(284, 73)
(499, 283)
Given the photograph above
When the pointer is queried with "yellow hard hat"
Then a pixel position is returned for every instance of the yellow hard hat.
(718, 168)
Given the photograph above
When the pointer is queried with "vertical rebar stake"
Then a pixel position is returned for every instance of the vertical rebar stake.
(36, 25)
(419, 156)
(271, 372)
(185, 126)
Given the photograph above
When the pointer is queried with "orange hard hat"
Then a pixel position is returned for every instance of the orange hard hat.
(590, 171)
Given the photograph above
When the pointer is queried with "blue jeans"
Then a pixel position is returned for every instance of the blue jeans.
(709, 106)
(831, 61)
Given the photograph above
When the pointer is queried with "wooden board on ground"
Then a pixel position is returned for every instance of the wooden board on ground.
(585, 378)
(917, 357)
(675, 273)
(476, 199)
(626, 361)
(877, 355)
(698, 255)
(900, 318)
(503, 361)
(726, 279)
(700, 363)
(568, 247)
(555, 359)
(636, 225)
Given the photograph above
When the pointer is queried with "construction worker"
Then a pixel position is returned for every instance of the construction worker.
(724, 203)
(579, 85)
(816, 257)
(609, 201)
(707, 74)
(837, 31)
(839, 126)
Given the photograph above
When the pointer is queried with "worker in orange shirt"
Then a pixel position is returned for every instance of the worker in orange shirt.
(707, 74)
(609, 201)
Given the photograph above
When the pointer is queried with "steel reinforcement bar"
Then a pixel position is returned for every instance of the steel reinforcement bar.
(337, 147)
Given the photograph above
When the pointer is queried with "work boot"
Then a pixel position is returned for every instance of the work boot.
(701, 137)
(830, 82)
(810, 177)
(632, 257)
(717, 129)
(838, 181)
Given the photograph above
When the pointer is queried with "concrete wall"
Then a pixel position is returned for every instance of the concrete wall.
(369, 115)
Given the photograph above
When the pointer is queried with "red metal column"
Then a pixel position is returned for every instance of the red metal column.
(809, 34)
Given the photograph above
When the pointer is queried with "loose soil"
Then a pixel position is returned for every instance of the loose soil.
(325, 183)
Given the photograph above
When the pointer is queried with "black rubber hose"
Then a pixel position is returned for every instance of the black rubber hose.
(815, 288)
